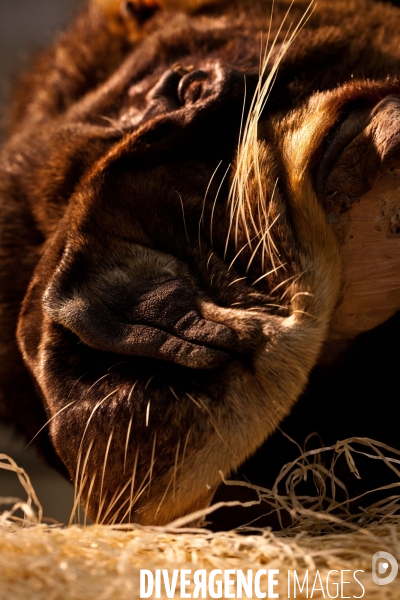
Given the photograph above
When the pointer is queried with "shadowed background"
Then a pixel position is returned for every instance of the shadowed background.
(27, 26)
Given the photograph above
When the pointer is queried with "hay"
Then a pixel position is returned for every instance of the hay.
(43, 560)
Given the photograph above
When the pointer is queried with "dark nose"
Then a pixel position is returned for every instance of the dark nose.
(153, 317)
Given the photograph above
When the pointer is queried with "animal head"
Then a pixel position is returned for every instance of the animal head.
(165, 189)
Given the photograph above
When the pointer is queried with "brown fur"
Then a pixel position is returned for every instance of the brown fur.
(171, 315)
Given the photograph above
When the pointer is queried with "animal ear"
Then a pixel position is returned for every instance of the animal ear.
(356, 169)
(142, 10)
(144, 308)
(133, 13)
(190, 5)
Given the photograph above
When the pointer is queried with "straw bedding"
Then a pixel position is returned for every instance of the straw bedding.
(40, 559)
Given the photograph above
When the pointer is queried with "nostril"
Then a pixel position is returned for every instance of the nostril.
(190, 86)
(167, 86)
(176, 87)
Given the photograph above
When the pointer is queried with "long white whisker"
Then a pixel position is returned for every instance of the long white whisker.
(201, 404)
(128, 432)
(164, 495)
(50, 420)
(201, 220)
(133, 482)
(267, 274)
(148, 413)
(240, 251)
(129, 425)
(183, 216)
(97, 406)
(214, 203)
(295, 277)
(103, 473)
(142, 488)
(176, 469)
(247, 208)
(89, 495)
(236, 281)
(152, 460)
(97, 381)
(182, 463)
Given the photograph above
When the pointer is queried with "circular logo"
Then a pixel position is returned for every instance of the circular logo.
(380, 565)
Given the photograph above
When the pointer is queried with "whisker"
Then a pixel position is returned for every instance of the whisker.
(115, 498)
(204, 202)
(269, 27)
(76, 382)
(215, 201)
(243, 109)
(148, 413)
(103, 473)
(89, 495)
(97, 406)
(149, 381)
(76, 492)
(164, 495)
(174, 394)
(133, 482)
(76, 502)
(301, 294)
(127, 441)
(202, 405)
(269, 273)
(49, 421)
(118, 492)
(246, 208)
(97, 381)
(183, 215)
(81, 485)
(142, 488)
(175, 469)
(235, 281)
(152, 460)
(129, 425)
(295, 278)
(238, 254)
(122, 362)
(255, 252)
(273, 251)
(182, 462)
(100, 508)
